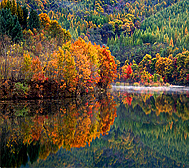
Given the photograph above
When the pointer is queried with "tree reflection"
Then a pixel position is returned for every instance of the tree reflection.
(158, 103)
(150, 130)
(39, 128)
(160, 120)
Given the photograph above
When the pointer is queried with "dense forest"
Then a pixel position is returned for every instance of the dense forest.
(75, 50)
(42, 57)
(76, 47)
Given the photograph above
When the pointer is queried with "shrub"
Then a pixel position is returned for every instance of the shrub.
(167, 84)
(21, 89)
(136, 84)
(155, 85)
(118, 83)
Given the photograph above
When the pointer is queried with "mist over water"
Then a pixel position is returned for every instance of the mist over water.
(159, 89)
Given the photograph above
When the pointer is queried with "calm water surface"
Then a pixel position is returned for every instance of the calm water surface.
(124, 128)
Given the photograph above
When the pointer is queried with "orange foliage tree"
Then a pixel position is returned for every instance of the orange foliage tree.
(73, 69)
(126, 71)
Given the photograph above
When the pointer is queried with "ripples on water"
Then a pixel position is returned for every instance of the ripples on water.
(129, 127)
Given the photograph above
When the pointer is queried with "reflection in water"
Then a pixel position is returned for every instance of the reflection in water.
(151, 130)
(161, 120)
(42, 128)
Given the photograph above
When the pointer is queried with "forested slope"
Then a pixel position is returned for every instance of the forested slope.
(165, 32)
(150, 36)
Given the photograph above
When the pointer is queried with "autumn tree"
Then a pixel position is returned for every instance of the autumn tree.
(164, 67)
(107, 67)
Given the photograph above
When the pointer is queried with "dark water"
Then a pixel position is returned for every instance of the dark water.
(123, 128)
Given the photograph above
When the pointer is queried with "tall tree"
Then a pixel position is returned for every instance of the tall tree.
(20, 14)
(25, 16)
(16, 32)
(9, 25)
(33, 21)
(14, 7)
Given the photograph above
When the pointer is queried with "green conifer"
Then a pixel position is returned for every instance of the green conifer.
(25, 16)
(33, 20)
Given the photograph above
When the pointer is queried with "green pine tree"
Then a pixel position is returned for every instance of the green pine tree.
(25, 16)
(33, 21)
(10, 26)
(16, 32)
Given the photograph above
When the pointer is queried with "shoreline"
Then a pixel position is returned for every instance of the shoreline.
(38, 90)
(50, 89)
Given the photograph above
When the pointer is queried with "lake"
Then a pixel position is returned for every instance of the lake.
(127, 127)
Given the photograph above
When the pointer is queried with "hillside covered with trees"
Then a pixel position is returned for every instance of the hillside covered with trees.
(58, 59)
(76, 47)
